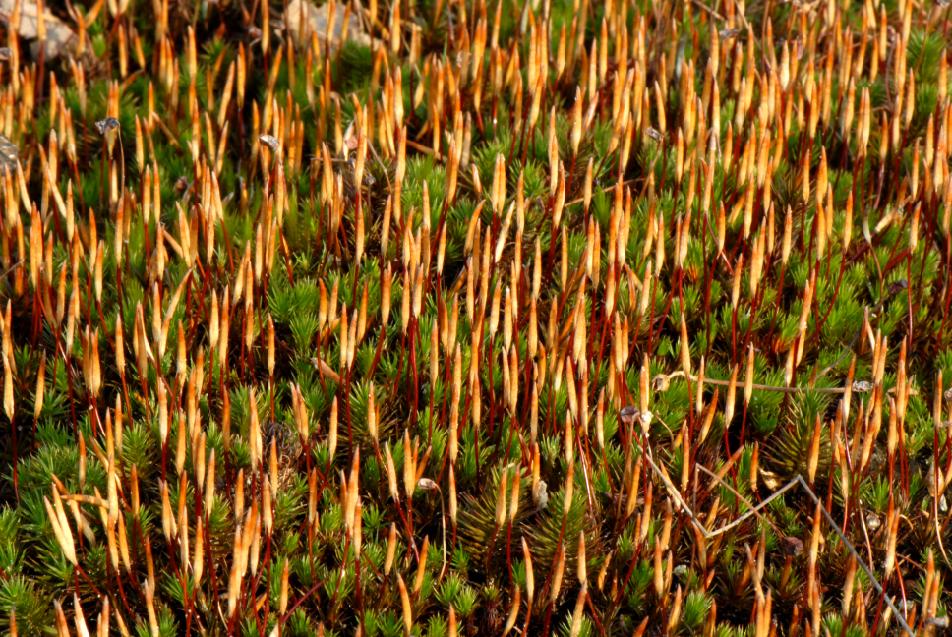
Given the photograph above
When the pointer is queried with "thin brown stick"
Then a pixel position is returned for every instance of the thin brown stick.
(798, 480)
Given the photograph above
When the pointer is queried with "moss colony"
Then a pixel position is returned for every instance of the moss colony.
(469, 317)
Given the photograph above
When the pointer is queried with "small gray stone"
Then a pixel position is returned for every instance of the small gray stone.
(59, 37)
(9, 153)
(302, 18)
